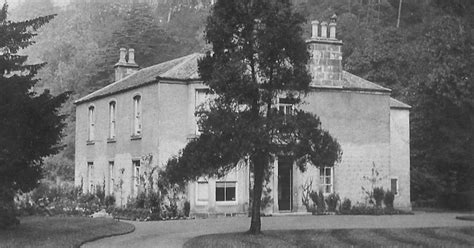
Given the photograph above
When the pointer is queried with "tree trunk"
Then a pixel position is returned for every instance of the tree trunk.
(259, 164)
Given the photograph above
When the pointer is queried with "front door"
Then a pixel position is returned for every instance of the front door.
(285, 183)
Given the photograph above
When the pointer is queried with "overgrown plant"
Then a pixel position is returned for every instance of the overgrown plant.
(318, 200)
(307, 188)
(332, 200)
(374, 179)
(388, 199)
(378, 195)
(346, 206)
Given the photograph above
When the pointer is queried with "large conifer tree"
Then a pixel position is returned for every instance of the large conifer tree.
(258, 55)
(30, 125)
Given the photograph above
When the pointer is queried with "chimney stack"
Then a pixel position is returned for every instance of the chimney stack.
(324, 30)
(314, 26)
(124, 68)
(326, 56)
(131, 56)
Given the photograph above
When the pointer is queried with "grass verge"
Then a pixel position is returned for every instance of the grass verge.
(38, 231)
(395, 237)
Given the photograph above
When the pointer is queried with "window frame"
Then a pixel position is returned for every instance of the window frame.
(197, 105)
(198, 201)
(91, 116)
(135, 176)
(112, 120)
(322, 179)
(225, 202)
(90, 177)
(397, 186)
(284, 105)
(111, 177)
(137, 118)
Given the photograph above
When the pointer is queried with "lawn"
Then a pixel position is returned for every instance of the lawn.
(60, 231)
(401, 237)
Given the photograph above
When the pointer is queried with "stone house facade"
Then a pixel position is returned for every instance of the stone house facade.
(149, 113)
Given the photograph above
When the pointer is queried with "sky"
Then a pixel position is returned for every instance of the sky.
(14, 3)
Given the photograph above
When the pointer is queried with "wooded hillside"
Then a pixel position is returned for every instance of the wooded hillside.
(422, 49)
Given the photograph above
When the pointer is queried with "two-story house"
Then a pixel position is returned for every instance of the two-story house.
(150, 111)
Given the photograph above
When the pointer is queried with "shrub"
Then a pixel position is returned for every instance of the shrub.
(378, 194)
(140, 200)
(332, 201)
(346, 206)
(318, 199)
(388, 199)
(109, 201)
(186, 208)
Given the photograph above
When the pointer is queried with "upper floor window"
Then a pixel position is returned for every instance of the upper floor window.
(112, 107)
(326, 179)
(286, 106)
(201, 96)
(137, 118)
(91, 123)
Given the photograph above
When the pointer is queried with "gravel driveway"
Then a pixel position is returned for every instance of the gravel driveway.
(175, 233)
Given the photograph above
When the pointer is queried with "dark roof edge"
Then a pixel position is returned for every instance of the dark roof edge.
(157, 80)
(396, 104)
(341, 88)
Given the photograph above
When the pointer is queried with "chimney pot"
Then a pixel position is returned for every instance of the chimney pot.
(131, 56)
(332, 30)
(315, 26)
(324, 29)
(123, 53)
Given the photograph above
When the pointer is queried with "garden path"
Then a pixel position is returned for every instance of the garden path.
(176, 233)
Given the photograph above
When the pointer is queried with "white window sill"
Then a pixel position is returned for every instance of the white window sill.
(201, 203)
(226, 203)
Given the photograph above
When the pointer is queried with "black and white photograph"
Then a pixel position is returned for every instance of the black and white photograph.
(236, 123)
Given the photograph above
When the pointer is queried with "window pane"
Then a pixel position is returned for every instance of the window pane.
(394, 187)
(327, 180)
(230, 193)
(220, 194)
(328, 189)
(202, 191)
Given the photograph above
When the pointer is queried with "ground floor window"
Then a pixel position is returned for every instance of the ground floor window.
(90, 177)
(225, 191)
(202, 191)
(394, 185)
(326, 179)
(136, 176)
(111, 177)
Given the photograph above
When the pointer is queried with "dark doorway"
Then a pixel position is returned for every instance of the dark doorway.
(285, 183)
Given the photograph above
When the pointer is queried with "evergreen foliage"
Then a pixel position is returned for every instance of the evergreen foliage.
(426, 61)
(30, 123)
(258, 55)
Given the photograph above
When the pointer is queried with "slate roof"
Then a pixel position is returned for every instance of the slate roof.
(186, 69)
(183, 68)
(394, 103)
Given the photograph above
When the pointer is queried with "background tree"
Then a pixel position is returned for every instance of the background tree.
(258, 56)
(30, 126)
